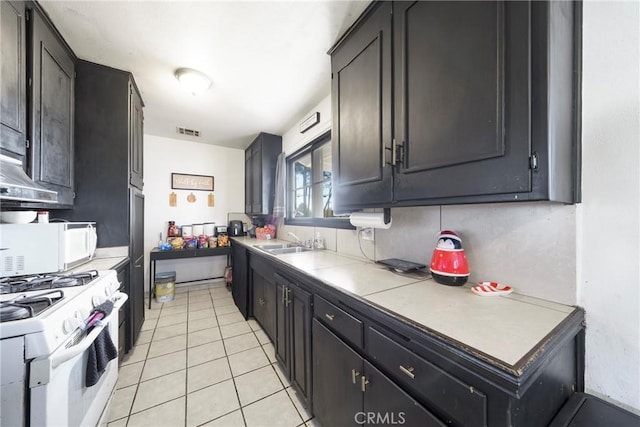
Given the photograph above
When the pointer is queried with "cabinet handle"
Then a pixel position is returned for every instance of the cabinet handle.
(408, 371)
(329, 316)
(354, 375)
(284, 295)
(363, 382)
(393, 152)
(287, 301)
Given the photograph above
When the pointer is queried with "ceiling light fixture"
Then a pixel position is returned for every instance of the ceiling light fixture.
(193, 81)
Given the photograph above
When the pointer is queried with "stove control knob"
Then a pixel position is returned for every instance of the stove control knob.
(97, 300)
(69, 325)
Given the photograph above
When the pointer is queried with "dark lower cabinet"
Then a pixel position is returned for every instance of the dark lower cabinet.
(293, 334)
(336, 374)
(349, 391)
(240, 283)
(354, 364)
(387, 404)
(136, 250)
(124, 317)
(264, 302)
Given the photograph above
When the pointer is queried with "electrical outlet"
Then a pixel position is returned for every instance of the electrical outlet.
(367, 234)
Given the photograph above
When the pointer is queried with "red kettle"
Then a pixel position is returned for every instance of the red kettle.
(449, 263)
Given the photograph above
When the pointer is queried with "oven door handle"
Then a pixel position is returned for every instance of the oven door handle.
(41, 368)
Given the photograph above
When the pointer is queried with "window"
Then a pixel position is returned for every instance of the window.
(309, 195)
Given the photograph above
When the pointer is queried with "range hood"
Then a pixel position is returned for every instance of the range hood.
(16, 185)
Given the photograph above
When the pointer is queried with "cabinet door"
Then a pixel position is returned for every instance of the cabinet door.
(13, 71)
(361, 96)
(462, 98)
(269, 319)
(256, 177)
(282, 340)
(240, 285)
(299, 302)
(137, 256)
(248, 177)
(386, 403)
(337, 398)
(52, 111)
(136, 138)
(257, 289)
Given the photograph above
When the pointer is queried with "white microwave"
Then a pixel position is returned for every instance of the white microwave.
(45, 248)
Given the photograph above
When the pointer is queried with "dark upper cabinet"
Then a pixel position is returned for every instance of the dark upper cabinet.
(136, 147)
(362, 108)
(12, 85)
(106, 99)
(293, 334)
(52, 75)
(453, 94)
(248, 179)
(260, 169)
(484, 105)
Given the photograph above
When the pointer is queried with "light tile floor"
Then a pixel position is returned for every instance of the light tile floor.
(198, 362)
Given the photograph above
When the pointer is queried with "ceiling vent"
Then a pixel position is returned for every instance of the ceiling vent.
(189, 132)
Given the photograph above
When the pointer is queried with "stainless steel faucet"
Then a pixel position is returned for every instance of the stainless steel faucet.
(297, 239)
(317, 243)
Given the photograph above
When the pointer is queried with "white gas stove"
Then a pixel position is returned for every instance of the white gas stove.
(45, 342)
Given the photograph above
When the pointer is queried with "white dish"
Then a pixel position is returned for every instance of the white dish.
(18, 217)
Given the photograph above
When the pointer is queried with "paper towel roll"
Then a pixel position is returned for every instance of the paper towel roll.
(369, 220)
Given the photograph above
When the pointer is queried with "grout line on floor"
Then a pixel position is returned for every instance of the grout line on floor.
(233, 379)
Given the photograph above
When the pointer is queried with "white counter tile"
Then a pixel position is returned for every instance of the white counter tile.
(313, 260)
(504, 328)
(361, 278)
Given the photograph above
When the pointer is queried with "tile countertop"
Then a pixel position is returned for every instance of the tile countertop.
(504, 328)
(101, 263)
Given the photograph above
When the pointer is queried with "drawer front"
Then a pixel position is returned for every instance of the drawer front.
(459, 402)
(339, 320)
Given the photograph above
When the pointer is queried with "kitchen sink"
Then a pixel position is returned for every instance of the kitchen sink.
(282, 248)
(274, 246)
(292, 250)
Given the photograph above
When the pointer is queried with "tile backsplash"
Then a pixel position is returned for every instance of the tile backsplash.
(530, 246)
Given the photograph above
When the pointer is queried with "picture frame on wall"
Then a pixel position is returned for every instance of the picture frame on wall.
(183, 181)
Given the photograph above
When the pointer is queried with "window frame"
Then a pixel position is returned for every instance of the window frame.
(342, 223)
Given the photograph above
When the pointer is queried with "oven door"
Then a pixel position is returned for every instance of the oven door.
(58, 396)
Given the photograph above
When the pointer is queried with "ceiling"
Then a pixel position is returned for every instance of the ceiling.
(267, 59)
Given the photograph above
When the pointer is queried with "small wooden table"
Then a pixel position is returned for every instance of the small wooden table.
(158, 255)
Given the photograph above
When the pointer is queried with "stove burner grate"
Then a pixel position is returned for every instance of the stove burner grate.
(10, 285)
(24, 307)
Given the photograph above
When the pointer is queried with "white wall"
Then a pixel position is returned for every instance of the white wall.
(162, 156)
(609, 288)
